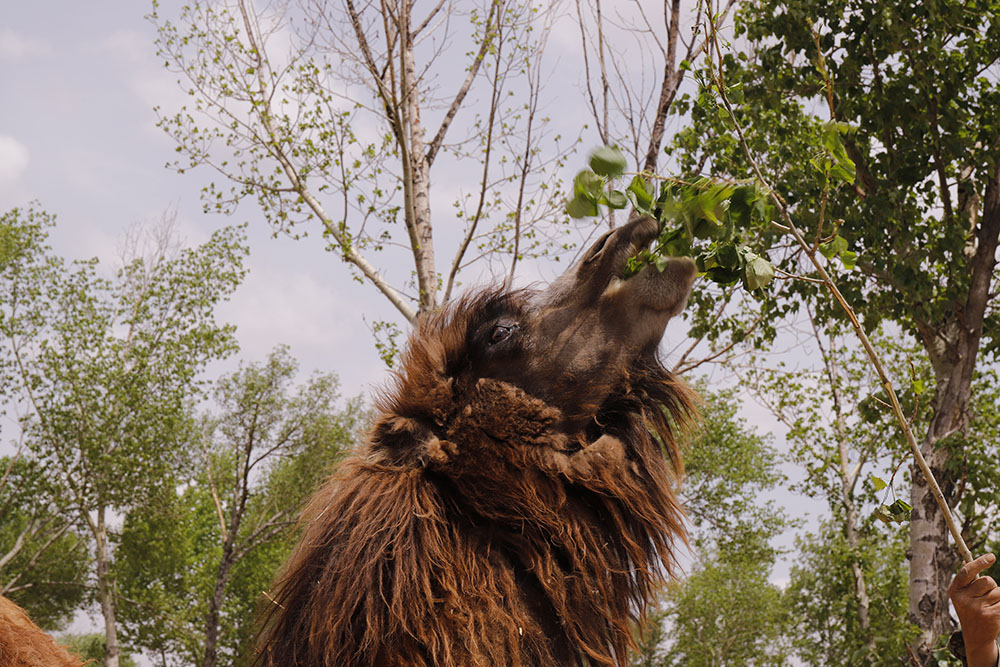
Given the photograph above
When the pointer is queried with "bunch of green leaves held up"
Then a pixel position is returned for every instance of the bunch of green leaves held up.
(701, 219)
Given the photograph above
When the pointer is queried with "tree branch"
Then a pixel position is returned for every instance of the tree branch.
(350, 254)
(463, 90)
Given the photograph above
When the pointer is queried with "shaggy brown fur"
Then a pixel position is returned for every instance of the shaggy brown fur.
(23, 644)
(514, 503)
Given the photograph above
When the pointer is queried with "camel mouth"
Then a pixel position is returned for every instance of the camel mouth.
(646, 301)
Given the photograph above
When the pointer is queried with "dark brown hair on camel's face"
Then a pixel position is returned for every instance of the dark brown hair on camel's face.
(514, 503)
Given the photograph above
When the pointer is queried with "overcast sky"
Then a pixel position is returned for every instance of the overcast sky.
(78, 134)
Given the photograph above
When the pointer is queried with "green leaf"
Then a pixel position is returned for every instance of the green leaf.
(878, 483)
(836, 246)
(675, 243)
(882, 514)
(723, 276)
(581, 207)
(901, 506)
(608, 161)
(616, 199)
(849, 258)
(728, 256)
(839, 243)
(735, 93)
(706, 229)
(900, 511)
(638, 195)
(588, 185)
(843, 170)
(759, 273)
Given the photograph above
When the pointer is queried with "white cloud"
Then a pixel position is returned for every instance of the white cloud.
(274, 307)
(130, 45)
(16, 48)
(14, 158)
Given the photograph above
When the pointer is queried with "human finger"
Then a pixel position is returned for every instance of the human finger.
(981, 587)
(967, 573)
(992, 598)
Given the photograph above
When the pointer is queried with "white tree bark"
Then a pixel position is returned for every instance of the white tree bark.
(105, 587)
(953, 349)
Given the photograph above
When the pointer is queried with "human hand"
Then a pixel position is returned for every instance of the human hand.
(977, 602)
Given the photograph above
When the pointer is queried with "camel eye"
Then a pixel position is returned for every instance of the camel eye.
(501, 332)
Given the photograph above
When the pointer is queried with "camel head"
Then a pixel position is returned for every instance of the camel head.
(574, 342)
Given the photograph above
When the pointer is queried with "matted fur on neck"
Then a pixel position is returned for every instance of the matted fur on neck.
(472, 529)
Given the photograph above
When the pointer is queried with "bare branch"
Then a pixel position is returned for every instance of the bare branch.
(430, 17)
(18, 543)
(214, 491)
(463, 90)
(350, 253)
(456, 262)
(8, 587)
(268, 529)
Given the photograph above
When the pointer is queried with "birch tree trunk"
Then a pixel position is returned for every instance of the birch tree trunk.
(215, 605)
(105, 589)
(952, 350)
(417, 185)
(848, 480)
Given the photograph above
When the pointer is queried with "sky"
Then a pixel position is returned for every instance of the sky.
(78, 134)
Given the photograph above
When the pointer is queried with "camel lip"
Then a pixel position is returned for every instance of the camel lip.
(635, 247)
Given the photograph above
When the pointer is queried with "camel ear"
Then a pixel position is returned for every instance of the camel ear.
(402, 440)
(397, 435)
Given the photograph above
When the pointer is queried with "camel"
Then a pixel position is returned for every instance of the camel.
(514, 502)
(24, 644)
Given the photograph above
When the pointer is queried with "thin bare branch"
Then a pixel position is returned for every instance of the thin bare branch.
(463, 90)
(463, 247)
(430, 17)
(30, 565)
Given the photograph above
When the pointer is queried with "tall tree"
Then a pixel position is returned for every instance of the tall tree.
(337, 113)
(845, 444)
(220, 540)
(824, 622)
(106, 366)
(923, 215)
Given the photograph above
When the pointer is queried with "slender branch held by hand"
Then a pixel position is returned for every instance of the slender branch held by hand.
(831, 285)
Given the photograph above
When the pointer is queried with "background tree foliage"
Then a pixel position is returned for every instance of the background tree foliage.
(916, 89)
(821, 596)
(105, 368)
(44, 557)
(730, 470)
(220, 527)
